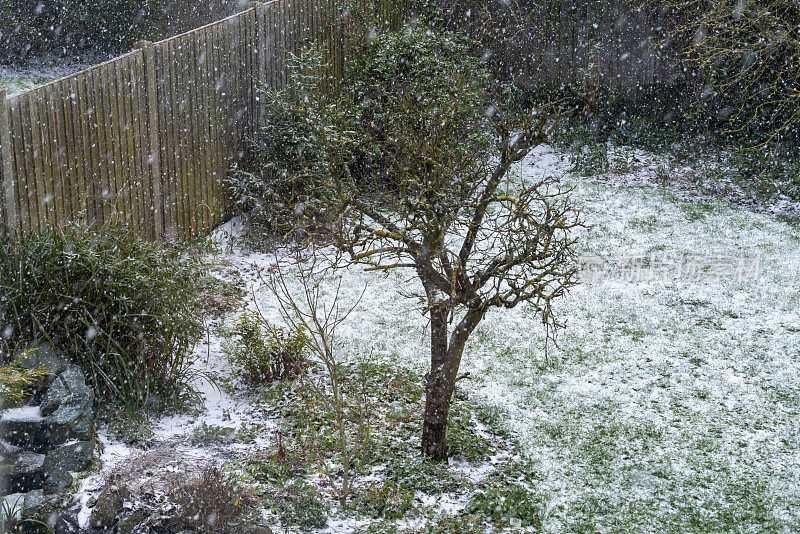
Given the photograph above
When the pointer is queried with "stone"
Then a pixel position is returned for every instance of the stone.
(129, 522)
(33, 435)
(70, 421)
(23, 471)
(73, 420)
(67, 522)
(21, 427)
(42, 354)
(74, 456)
(39, 509)
(57, 480)
(109, 505)
(68, 389)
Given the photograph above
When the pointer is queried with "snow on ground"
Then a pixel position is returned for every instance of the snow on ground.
(16, 79)
(672, 401)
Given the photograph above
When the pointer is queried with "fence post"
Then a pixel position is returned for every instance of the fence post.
(154, 150)
(8, 196)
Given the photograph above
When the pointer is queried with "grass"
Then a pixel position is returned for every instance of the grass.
(15, 84)
(383, 405)
(664, 398)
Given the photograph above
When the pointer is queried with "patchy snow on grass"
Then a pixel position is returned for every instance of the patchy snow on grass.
(671, 402)
(17, 79)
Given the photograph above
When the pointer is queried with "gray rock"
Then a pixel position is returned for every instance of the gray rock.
(24, 433)
(40, 514)
(72, 417)
(43, 354)
(68, 389)
(33, 499)
(39, 510)
(109, 505)
(72, 457)
(67, 522)
(57, 480)
(70, 421)
(23, 471)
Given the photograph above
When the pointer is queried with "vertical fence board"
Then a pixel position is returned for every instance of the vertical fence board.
(146, 139)
(8, 188)
(23, 189)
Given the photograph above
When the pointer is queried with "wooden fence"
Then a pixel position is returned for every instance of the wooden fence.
(144, 139)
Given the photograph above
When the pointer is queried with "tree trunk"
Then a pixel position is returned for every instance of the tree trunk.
(440, 382)
(438, 391)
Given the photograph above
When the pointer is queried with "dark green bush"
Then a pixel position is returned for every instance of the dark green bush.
(122, 308)
(71, 26)
(317, 133)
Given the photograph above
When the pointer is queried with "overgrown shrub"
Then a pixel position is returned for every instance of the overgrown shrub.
(767, 172)
(317, 132)
(122, 308)
(262, 353)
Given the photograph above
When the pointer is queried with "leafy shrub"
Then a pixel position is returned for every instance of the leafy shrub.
(767, 172)
(122, 308)
(263, 353)
(317, 132)
(590, 159)
(280, 188)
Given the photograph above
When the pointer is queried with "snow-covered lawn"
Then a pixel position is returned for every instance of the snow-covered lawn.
(672, 402)
(18, 79)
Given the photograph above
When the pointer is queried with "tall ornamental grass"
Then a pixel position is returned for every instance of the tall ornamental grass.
(125, 310)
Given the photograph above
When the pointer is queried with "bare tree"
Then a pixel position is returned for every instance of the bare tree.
(305, 310)
(412, 170)
(475, 240)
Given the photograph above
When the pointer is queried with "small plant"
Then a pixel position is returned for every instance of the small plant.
(306, 311)
(264, 353)
(300, 504)
(449, 524)
(506, 503)
(385, 499)
(590, 159)
(219, 297)
(205, 435)
(16, 383)
(9, 515)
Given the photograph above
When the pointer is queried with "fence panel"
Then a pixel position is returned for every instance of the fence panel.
(144, 140)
